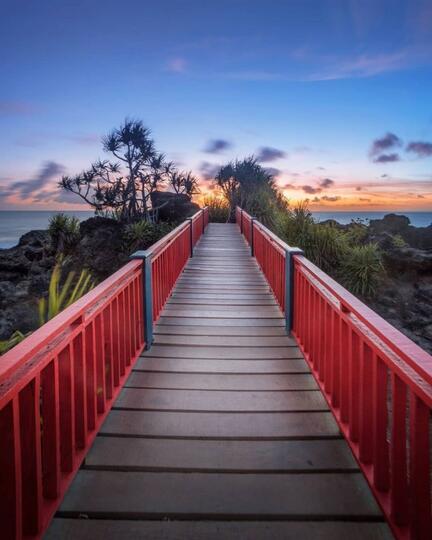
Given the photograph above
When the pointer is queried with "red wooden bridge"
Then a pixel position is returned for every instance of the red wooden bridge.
(236, 393)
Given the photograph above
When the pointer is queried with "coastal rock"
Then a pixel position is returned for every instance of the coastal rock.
(173, 206)
(417, 237)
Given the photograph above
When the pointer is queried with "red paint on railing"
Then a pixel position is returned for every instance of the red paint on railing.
(197, 223)
(56, 388)
(377, 382)
(169, 257)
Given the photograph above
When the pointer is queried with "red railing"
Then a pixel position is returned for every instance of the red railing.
(58, 385)
(377, 382)
(198, 226)
(56, 388)
(168, 258)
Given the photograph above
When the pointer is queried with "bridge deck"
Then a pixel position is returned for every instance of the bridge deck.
(220, 431)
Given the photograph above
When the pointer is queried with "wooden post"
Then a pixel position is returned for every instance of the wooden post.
(191, 236)
(289, 286)
(145, 256)
(241, 220)
(252, 236)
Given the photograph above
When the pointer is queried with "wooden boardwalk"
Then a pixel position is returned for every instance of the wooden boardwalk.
(220, 431)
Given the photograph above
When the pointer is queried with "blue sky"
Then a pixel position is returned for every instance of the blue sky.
(316, 81)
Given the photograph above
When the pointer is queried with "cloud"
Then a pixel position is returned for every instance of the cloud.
(176, 65)
(302, 149)
(326, 183)
(421, 148)
(273, 171)
(387, 158)
(290, 186)
(208, 170)
(84, 138)
(215, 146)
(384, 176)
(387, 142)
(16, 108)
(267, 153)
(364, 199)
(330, 198)
(359, 188)
(26, 189)
(321, 168)
(311, 190)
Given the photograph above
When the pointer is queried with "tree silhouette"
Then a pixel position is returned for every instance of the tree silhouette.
(183, 183)
(125, 185)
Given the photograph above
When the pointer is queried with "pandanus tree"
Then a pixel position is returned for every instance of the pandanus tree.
(183, 183)
(247, 184)
(124, 184)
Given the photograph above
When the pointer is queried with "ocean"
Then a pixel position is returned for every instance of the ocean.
(14, 224)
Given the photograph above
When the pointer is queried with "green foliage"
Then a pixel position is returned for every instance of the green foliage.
(398, 241)
(247, 184)
(356, 233)
(361, 269)
(219, 210)
(62, 295)
(142, 234)
(64, 232)
(15, 338)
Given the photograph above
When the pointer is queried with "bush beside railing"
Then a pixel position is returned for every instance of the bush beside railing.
(378, 383)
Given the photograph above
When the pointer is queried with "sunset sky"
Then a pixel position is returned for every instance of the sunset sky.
(333, 95)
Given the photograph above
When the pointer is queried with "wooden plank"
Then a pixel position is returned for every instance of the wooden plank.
(217, 381)
(229, 341)
(302, 496)
(227, 456)
(238, 311)
(221, 425)
(241, 353)
(202, 400)
(248, 322)
(218, 313)
(211, 303)
(198, 365)
(201, 330)
(102, 529)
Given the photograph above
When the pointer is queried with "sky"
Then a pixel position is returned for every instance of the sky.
(334, 96)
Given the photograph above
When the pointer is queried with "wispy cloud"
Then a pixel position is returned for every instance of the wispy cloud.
(16, 108)
(266, 154)
(421, 148)
(32, 188)
(208, 170)
(387, 158)
(216, 146)
(176, 65)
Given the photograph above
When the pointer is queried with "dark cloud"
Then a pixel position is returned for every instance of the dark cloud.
(273, 171)
(364, 199)
(321, 168)
(311, 190)
(266, 154)
(208, 171)
(290, 186)
(16, 108)
(359, 188)
(389, 141)
(420, 196)
(215, 146)
(330, 198)
(384, 176)
(420, 148)
(28, 188)
(326, 183)
(387, 158)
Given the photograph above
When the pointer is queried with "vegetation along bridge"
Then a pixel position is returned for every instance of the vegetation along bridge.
(268, 403)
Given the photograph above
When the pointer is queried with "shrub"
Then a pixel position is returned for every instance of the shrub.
(15, 338)
(362, 269)
(398, 241)
(60, 296)
(64, 232)
(219, 209)
(142, 234)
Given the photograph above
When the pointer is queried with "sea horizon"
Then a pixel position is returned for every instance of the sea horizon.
(12, 229)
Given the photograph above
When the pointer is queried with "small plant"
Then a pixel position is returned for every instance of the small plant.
(142, 234)
(398, 241)
(15, 338)
(60, 296)
(64, 232)
(219, 210)
(361, 270)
